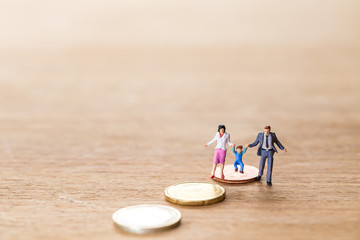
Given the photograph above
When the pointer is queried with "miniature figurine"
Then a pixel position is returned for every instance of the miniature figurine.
(222, 138)
(238, 157)
(266, 149)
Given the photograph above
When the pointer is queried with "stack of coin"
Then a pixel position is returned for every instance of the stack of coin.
(148, 218)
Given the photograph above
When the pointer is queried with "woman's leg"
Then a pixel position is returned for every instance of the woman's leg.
(215, 162)
(222, 170)
(222, 156)
(213, 169)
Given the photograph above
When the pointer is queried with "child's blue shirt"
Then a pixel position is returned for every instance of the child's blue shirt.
(238, 156)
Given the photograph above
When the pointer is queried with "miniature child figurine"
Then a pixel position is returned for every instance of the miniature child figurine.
(238, 157)
(222, 139)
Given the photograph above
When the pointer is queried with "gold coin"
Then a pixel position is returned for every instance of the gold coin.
(195, 194)
(146, 218)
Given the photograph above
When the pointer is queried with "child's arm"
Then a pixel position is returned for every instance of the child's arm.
(233, 150)
(244, 151)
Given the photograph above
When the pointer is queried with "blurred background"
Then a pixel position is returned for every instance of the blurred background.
(87, 87)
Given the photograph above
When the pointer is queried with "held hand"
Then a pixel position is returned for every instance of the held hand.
(285, 150)
(233, 145)
(247, 145)
(206, 145)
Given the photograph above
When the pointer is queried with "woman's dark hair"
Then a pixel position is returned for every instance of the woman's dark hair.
(220, 127)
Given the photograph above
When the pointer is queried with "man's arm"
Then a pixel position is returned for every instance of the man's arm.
(276, 140)
(257, 140)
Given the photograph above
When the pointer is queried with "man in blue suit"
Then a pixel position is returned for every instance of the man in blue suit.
(266, 150)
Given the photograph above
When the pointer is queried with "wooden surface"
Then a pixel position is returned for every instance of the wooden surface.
(104, 105)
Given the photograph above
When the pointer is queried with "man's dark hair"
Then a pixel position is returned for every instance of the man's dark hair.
(267, 127)
(220, 127)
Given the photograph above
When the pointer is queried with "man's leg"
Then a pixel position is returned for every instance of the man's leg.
(270, 165)
(262, 162)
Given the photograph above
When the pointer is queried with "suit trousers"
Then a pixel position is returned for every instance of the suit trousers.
(269, 155)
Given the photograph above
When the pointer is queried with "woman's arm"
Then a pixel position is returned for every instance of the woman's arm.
(212, 141)
(228, 141)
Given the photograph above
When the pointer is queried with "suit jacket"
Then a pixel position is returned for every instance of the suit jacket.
(260, 138)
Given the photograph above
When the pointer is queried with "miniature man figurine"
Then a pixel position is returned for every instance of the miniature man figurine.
(222, 139)
(238, 157)
(266, 149)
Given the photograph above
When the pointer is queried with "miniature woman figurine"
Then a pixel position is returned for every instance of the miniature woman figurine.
(222, 139)
(238, 157)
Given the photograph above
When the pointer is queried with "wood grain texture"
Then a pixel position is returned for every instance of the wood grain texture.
(105, 105)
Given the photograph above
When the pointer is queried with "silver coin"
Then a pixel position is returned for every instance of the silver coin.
(146, 218)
